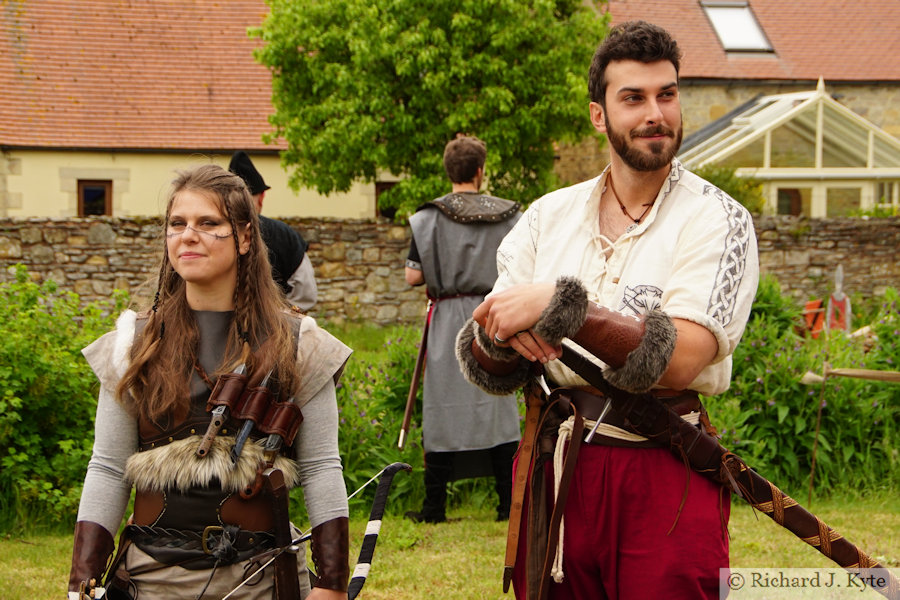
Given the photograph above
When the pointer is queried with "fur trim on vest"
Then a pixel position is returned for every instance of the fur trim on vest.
(177, 466)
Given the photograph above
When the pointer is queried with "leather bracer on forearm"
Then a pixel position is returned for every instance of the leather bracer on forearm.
(637, 350)
(91, 551)
(495, 369)
(330, 547)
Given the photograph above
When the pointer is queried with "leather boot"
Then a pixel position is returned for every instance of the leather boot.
(92, 549)
(438, 467)
(330, 547)
(501, 463)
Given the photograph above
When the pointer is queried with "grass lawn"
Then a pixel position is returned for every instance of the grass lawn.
(464, 558)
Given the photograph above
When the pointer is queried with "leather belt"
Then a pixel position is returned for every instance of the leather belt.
(196, 550)
(590, 402)
(205, 541)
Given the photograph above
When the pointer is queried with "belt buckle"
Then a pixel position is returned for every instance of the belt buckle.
(204, 539)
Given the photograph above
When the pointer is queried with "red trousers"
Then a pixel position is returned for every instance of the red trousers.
(622, 503)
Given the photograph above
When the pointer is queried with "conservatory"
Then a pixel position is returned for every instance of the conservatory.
(814, 156)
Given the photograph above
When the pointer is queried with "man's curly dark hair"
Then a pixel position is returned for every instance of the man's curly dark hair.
(633, 40)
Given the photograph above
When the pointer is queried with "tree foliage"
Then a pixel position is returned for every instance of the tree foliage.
(362, 87)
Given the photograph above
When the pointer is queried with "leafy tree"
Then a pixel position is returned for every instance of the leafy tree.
(366, 86)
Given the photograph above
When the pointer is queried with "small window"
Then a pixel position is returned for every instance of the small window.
(794, 201)
(736, 26)
(887, 193)
(94, 198)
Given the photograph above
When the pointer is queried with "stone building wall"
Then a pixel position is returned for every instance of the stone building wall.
(359, 263)
(704, 102)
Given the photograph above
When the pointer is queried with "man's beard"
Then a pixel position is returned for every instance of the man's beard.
(656, 159)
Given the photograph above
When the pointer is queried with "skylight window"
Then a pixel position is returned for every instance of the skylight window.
(736, 26)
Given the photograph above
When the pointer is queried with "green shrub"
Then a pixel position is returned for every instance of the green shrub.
(882, 210)
(371, 401)
(746, 190)
(769, 416)
(47, 398)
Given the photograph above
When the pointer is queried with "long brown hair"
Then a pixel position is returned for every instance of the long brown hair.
(156, 382)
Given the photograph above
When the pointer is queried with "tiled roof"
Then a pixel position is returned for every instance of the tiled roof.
(839, 40)
(138, 74)
(180, 75)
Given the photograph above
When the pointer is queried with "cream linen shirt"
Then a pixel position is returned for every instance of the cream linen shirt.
(694, 257)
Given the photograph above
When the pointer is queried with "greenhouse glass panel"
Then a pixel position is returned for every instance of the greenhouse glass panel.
(844, 142)
(887, 192)
(793, 147)
(843, 201)
(750, 156)
(887, 155)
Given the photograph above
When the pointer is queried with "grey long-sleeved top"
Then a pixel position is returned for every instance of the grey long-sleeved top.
(320, 362)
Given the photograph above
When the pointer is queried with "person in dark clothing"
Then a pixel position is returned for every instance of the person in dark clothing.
(291, 267)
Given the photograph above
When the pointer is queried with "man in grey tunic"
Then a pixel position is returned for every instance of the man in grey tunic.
(466, 432)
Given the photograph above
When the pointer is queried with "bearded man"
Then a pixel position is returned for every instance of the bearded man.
(651, 270)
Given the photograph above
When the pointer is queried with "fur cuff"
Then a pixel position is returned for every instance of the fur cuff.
(566, 312)
(474, 373)
(646, 364)
(487, 345)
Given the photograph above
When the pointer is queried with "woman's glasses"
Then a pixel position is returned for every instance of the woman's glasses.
(211, 229)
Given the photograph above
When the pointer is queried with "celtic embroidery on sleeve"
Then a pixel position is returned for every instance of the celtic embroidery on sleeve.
(732, 263)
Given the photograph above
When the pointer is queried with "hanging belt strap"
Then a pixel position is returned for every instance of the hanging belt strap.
(287, 584)
(559, 505)
(534, 399)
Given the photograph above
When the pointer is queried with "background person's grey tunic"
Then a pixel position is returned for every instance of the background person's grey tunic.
(459, 258)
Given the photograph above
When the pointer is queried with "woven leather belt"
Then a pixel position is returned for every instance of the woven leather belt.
(195, 550)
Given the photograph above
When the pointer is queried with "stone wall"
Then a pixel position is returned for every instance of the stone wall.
(803, 254)
(359, 263)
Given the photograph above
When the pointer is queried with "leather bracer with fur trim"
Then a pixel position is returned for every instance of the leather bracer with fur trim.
(495, 369)
(637, 350)
(330, 547)
(90, 555)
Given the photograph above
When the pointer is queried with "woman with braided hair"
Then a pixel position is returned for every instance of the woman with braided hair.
(206, 400)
